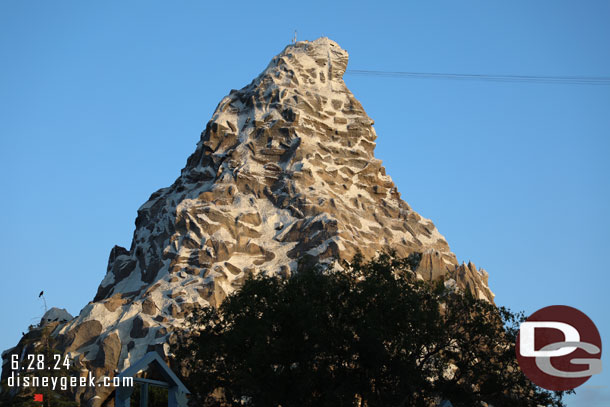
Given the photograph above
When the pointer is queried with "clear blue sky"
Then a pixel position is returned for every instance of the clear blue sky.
(102, 102)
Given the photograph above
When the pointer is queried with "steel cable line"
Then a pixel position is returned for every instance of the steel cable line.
(574, 80)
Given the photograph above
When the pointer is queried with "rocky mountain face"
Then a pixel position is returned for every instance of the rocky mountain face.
(284, 169)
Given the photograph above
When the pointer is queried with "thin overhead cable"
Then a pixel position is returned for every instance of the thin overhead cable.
(574, 80)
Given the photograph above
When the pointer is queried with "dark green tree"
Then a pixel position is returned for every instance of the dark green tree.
(40, 342)
(370, 334)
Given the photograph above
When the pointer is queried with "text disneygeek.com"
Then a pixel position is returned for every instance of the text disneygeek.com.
(64, 382)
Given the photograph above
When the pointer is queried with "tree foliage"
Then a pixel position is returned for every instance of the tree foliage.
(370, 334)
(39, 342)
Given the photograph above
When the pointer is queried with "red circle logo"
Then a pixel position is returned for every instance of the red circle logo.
(559, 348)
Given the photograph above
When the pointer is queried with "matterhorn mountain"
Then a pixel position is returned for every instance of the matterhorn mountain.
(284, 170)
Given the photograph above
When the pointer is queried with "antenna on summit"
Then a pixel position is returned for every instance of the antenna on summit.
(294, 39)
(41, 295)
